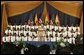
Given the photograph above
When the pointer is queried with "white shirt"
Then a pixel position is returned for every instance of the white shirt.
(12, 38)
(74, 28)
(25, 32)
(16, 32)
(18, 38)
(69, 34)
(21, 32)
(30, 33)
(29, 38)
(65, 39)
(35, 39)
(32, 27)
(74, 35)
(6, 31)
(51, 27)
(73, 40)
(53, 39)
(70, 28)
(24, 38)
(65, 34)
(54, 33)
(18, 26)
(70, 40)
(13, 27)
(60, 28)
(49, 32)
(36, 27)
(47, 26)
(45, 39)
(8, 39)
(58, 39)
(56, 28)
(4, 39)
(65, 28)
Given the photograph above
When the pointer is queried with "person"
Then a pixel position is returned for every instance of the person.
(24, 38)
(29, 22)
(58, 38)
(4, 38)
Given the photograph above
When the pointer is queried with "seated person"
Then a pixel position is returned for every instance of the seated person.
(51, 27)
(58, 38)
(24, 38)
(12, 38)
(18, 27)
(25, 32)
(18, 38)
(65, 29)
(56, 28)
(29, 38)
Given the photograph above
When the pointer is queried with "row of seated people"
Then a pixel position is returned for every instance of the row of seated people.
(56, 37)
(47, 27)
(33, 33)
(10, 48)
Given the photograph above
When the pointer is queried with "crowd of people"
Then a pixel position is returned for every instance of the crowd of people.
(29, 33)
